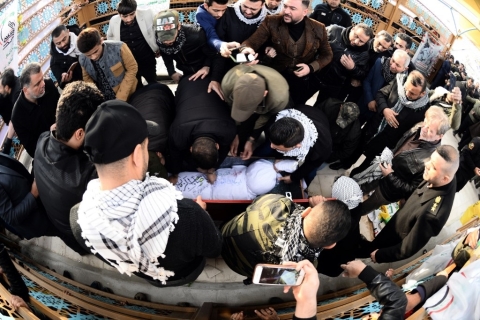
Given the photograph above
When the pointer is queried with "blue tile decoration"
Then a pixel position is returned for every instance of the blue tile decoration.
(102, 8)
(347, 11)
(365, 2)
(413, 47)
(193, 17)
(412, 25)
(419, 31)
(35, 24)
(23, 35)
(404, 20)
(316, 2)
(114, 4)
(44, 49)
(372, 308)
(140, 308)
(357, 18)
(181, 17)
(368, 22)
(67, 3)
(72, 21)
(376, 4)
(105, 28)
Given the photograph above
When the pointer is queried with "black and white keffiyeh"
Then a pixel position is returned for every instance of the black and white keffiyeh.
(348, 191)
(241, 17)
(291, 244)
(373, 172)
(129, 226)
(310, 133)
(176, 46)
(386, 73)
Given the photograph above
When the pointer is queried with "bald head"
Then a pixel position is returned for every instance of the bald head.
(327, 223)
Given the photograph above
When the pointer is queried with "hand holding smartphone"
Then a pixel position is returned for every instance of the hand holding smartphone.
(271, 274)
(72, 66)
(239, 57)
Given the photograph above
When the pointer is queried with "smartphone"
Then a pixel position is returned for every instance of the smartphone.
(239, 57)
(277, 275)
(72, 67)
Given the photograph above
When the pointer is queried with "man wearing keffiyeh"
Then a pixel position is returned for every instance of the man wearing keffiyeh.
(139, 224)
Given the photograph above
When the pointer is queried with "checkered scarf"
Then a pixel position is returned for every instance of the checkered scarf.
(373, 172)
(291, 244)
(309, 129)
(129, 226)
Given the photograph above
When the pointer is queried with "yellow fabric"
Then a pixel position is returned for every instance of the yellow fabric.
(470, 213)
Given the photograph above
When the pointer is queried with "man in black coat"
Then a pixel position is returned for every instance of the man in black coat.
(331, 12)
(344, 129)
(62, 169)
(64, 52)
(350, 59)
(20, 208)
(423, 215)
(202, 131)
(404, 175)
(301, 133)
(395, 115)
(34, 111)
(9, 91)
(469, 163)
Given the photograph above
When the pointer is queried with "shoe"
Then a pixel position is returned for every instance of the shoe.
(337, 166)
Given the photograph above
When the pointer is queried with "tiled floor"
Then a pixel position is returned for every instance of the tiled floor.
(217, 272)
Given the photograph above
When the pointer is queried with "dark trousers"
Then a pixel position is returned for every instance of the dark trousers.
(374, 201)
(148, 70)
(301, 89)
(463, 176)
(466, 138)
(466, 123)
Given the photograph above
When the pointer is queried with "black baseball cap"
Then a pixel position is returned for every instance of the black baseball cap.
(114, 130)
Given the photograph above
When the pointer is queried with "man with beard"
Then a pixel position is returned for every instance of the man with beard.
(402, 41)
(9, 92)
(299, 60)
(274, 6)
(140, 224)
(64, 52)
(34, 111)
(330, 12)
(134, 27)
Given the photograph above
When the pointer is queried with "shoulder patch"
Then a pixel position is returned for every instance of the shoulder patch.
(436, 204)
(471, 145)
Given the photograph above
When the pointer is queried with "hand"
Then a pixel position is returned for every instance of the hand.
(455, 96)
(226, 47)
(53, 127)
(372, 256)
(313, 201)
(267, 314)
(160, 156)
(356, 83)
(270, 52)
(372, 106)
(302, 73)
(353, 268)
(237, 316)
(211, 177)
(34, 189)
(390, 115)
(386, 170)
(234, 146)
(16, 302)
(347, 62)
(176, 77)
(173, 179)
(472, 239)
(285, 179)
(67, 77)
(306, 293)
(477, 171)
(200, 202)
(202, 73)
(215, 86)
(247, 150)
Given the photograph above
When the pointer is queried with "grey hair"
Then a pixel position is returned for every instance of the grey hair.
(28, 71)
(387, 36)
(402, 54)
(437, 114)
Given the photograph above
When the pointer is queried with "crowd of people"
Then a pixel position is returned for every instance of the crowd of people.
(108, 150)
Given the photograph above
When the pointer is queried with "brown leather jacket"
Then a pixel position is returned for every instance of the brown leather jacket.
(312, 48)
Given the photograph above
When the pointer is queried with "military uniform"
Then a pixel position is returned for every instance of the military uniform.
(469, 160)
(423, 216)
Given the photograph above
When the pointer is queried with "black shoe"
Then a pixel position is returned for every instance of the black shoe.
(337, 166)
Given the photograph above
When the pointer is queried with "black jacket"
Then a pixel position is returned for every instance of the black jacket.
(408, 167)
(60, 63)
(62, 175)
(372, 55)
(30, 119)
(194, 54)
(198, 114)
(335, 73)
(18, 207)
(469, 160)
(322, 148)
(324, 14)
(7, 103)
(344, 141)
(387, 293)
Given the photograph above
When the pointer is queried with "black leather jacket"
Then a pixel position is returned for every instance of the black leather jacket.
(408, 167)
(193, 55)
(386, 292)
(335, 73)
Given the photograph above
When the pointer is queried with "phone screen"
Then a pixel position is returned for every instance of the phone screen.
(282, 276)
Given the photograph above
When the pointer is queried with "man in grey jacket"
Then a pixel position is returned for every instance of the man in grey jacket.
(135, 27)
